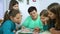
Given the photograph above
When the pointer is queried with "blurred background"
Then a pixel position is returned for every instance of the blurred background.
(24, 5)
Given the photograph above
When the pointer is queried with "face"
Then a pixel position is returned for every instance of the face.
(17, 19)
(44, 19)
(16, 7)
(51, 15)
(33, 14)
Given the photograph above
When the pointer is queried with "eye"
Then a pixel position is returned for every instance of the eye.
(50, 14)
(17, 18)
(34, 13)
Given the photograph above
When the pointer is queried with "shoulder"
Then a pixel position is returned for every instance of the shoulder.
(7, 22)
(28, 18)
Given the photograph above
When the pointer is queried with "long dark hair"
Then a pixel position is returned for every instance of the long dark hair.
(51, 5)
(10, 13)
(56, 11)
(12, 3)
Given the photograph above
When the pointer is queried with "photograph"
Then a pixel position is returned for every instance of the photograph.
(29, 16)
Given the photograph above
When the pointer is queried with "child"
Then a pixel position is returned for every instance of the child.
(10, 18)
(52, 19)
(44, 19)
(33, 21)
(13, 5)
(55, 10)
(36, 30)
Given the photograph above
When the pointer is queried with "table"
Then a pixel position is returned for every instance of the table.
(45, 32)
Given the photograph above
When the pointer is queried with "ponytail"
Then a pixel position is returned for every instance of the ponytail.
(9, 13)
(6, 16)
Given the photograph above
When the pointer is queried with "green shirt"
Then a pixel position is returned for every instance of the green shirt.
(30, 23)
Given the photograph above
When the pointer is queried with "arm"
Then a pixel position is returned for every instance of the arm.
(7, 28)
(54, 31)
(41, 26)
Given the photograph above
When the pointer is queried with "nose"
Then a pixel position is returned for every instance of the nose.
(33, 15)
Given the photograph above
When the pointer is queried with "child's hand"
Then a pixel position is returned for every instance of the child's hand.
(46, 20)
(17, 29)
(36, 30)
(23, 27)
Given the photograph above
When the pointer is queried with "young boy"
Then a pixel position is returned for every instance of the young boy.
(44, 18)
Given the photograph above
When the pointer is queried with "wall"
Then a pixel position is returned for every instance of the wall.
(39, 4)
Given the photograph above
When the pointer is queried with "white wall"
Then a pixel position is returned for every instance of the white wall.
(1, 9)
(4, 5)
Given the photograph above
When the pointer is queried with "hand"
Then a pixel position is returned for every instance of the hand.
(36, 30)
(52, 30)
(35, 33)
(46, 20)
(23, 27)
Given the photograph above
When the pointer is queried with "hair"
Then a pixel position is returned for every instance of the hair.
(56, 11)
(10, 13)
(44, 13)
(51, 5)
(12, 3)
(31, 9)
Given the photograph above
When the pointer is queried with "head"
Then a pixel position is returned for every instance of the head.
(56, 11)
(13, 15)
(44, 16)
(33, 12)
(50, 14)
(13, 5)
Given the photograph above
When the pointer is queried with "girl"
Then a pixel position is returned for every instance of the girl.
(52, 19)
(10, 18)
(13, 5)
(55, 11)
(44, 19)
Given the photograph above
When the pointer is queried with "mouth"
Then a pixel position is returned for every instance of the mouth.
(18, 23)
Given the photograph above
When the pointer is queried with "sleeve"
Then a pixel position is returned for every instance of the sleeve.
(45, 27)
(7, 28)
(41, 25)
(25, 23)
